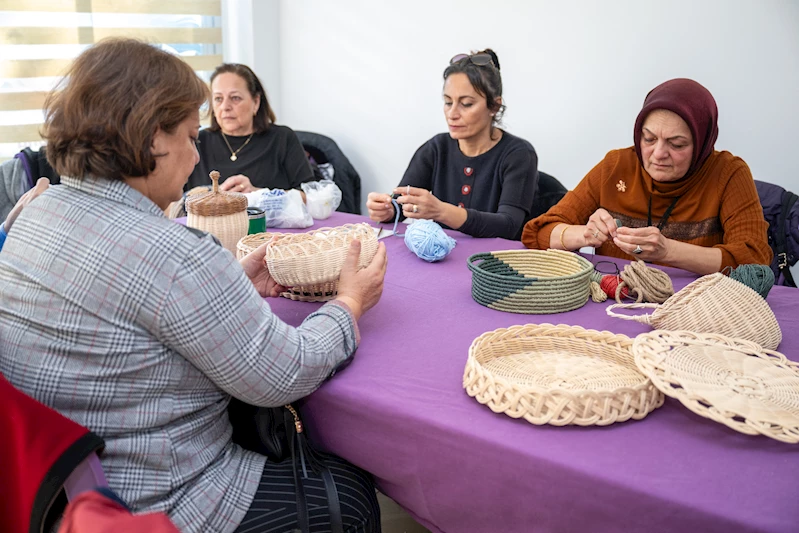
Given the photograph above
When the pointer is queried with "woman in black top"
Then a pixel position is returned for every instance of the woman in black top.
(477, 179)
(243, 143)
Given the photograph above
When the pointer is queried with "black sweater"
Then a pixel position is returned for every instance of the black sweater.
(273, 159)
(496, 188)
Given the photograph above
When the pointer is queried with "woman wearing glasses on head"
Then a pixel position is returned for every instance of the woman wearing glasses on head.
(478, 179)
(679, 201)
(243, 142)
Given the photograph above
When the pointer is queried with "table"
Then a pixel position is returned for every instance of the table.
(400, 412)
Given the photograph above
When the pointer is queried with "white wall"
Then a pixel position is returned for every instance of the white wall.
(368, 74)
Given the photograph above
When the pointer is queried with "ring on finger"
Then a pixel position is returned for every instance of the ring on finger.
(596, 234)
(415, 208)
(638, 249)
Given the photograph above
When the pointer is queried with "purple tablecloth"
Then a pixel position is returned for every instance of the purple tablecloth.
(400, 411)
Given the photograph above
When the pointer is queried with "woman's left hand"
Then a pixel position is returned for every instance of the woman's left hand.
(418, 203)
(237, 183)
(642, 243)
(254, 266)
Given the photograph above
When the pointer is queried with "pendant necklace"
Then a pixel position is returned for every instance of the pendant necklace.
(233, 156)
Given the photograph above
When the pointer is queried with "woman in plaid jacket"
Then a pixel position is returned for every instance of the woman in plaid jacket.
(140, 330)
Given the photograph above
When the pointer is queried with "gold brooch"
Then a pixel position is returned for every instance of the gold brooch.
(621, 186)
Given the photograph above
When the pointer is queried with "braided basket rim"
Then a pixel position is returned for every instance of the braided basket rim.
(563, 399)
(651, 351)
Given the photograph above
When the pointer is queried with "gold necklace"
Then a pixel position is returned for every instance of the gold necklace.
(232, 153)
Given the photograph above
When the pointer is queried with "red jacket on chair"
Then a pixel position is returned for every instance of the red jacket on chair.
(39, 448)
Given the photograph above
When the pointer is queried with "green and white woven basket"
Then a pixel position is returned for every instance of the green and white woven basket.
(530, 281)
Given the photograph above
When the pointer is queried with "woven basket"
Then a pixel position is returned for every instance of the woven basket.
(713, 304)
(530, 281)
(559, 375)
(223, 214)
(312, 293)
(732, 381)
(315, 258)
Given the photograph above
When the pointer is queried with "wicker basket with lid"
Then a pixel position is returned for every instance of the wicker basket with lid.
(223, 214)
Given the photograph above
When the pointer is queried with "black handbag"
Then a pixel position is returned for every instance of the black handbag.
(278, 433)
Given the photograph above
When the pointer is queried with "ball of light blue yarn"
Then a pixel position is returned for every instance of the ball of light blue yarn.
(428, 241)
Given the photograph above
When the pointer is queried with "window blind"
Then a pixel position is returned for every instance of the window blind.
(40, 38)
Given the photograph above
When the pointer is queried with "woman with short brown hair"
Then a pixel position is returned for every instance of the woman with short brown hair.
(141, 330)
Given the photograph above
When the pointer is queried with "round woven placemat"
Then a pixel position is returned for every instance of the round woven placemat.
(558, 375)
(530, 281)
(732, 381)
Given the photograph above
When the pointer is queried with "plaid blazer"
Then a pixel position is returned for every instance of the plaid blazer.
(136, 328)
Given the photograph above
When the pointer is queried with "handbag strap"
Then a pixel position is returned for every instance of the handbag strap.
(299, 490)
(299, 446)
(333, 503)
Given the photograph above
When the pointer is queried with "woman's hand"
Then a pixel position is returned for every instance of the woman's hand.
(601, 227)
(238, 183)
(379, 207)
(42, 184)
(653, 245)
(254, 266)
(419, 203)
(361, 289)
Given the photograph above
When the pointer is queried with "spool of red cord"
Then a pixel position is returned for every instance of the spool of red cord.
(609, 283)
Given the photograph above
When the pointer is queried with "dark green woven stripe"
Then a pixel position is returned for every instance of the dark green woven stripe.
(494, 265)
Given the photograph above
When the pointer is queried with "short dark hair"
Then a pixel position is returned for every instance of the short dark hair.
(485, 79)
(101, 117)
(265, 115)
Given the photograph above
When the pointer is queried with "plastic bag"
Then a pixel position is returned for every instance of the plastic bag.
(282, 209)
(323, 197)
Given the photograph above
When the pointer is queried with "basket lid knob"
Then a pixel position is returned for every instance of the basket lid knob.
(216, 203)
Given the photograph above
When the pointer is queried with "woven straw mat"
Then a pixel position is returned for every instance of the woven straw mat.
(713, 304)
(559, 375)
(316, 257)
(732, 381)
(530, 281)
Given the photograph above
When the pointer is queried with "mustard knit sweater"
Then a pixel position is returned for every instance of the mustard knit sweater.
(717, 206)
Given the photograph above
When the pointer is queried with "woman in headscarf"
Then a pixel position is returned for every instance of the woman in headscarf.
(669, 199)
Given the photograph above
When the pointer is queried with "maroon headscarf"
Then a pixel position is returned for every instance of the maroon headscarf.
(695, 105)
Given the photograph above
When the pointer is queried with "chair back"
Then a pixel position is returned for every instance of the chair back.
(781, 211)
(325, 150)
(549, 193)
